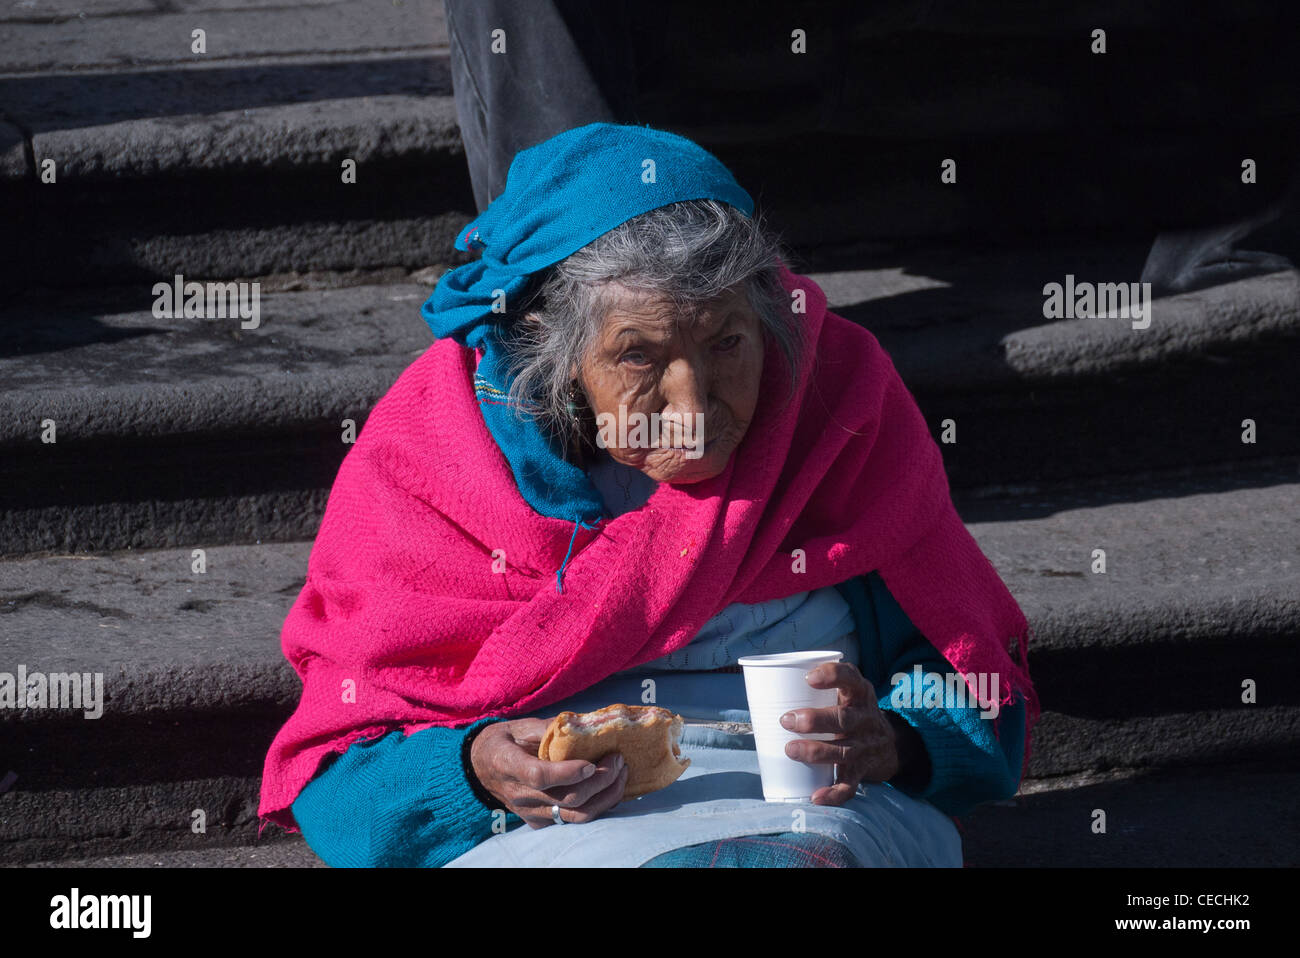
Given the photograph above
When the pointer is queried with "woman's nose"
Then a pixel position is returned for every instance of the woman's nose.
(686, 389)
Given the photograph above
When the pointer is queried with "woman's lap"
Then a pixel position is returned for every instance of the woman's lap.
(787, 850)
(715, 816)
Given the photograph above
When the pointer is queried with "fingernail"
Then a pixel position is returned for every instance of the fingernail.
(618, 762)
(787, 721)
(589, 771)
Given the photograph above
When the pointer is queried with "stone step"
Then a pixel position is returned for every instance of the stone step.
(1032, 397)
(173, 431)
(289, 852)
(1139, 667)
(1201, 592)
(1228, 816)
(77, 36)
(227, 163)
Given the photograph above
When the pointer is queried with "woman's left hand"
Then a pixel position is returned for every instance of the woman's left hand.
(865, 747)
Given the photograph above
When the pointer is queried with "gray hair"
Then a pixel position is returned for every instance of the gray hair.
(689, 253)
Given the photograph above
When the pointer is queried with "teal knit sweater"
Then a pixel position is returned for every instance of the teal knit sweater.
(413, 800)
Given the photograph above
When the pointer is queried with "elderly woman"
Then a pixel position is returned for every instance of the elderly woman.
(508, 540)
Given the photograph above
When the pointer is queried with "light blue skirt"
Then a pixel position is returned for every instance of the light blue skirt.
(720, 796)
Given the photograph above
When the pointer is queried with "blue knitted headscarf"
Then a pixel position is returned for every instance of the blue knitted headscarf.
(560, 195)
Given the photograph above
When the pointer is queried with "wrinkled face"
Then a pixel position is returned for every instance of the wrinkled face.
(703, 375)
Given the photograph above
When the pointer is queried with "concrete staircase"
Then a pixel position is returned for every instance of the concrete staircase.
(183, 434)
(1139, 668)
(229, 163)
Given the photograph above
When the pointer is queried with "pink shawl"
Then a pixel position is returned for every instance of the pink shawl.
(402, 605)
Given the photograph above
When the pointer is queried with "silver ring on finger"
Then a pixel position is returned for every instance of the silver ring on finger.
(555, 815)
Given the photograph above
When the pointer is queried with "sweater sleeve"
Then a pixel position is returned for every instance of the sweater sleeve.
(398, 801)
(971, 761)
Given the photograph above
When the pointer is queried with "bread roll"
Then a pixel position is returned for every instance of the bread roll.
(645, 735)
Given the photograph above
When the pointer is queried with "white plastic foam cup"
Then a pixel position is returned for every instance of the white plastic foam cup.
(774, 685)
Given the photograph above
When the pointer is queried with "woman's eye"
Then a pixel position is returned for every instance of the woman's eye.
(730, 342)
(634, 358)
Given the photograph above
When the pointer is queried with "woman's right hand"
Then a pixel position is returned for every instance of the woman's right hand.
(504, 756)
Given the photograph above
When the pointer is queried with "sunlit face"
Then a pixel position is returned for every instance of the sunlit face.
(648, 358)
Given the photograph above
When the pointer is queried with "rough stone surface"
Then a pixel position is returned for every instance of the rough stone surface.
(1183, 555)
(167, 639)
(238, 32)
(965, 320)
(80, 819)
(209, 514)
(77, 100)
(108, 369)
(1003, 343)
(1139, 668)
(229, 165)
(1228, 816)
(235, 185)
(1067, 743)
(113, 88)
(13, 157)
(1192, 818)
(264, 139)
(49, 11)
(1206, 570)
(129, 250)
(176, 430)
(1033, 399)
(288, 852)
